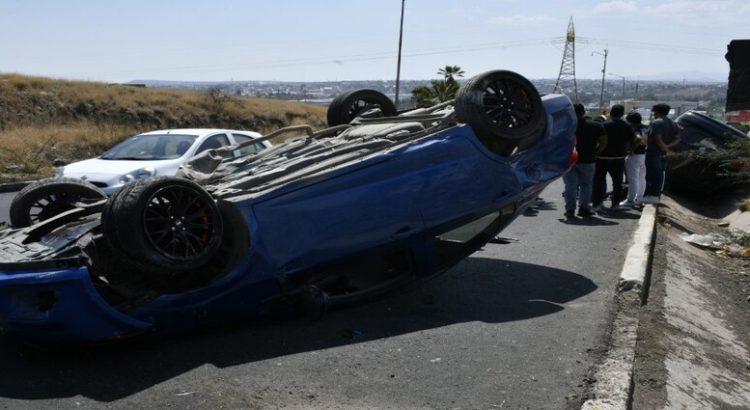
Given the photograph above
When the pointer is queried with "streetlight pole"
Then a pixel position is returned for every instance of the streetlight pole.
(604, 70)
(398, 64)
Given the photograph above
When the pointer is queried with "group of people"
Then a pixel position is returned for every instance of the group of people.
(619, 146)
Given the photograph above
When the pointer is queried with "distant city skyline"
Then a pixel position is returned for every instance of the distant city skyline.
(325, 40)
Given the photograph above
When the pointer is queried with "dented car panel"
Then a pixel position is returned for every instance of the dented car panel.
(60, 305)
(407, 209)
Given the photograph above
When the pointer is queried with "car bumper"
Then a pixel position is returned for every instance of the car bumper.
(60, 306)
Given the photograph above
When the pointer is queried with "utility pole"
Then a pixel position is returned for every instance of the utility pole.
(398, 64)
(604, 72)
(566, 80)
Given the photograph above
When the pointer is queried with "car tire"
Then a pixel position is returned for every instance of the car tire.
(167, 224)
(46, 198)
(347, 106)
(503, 108)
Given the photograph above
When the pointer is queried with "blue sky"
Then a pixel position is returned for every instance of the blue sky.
(319, 40)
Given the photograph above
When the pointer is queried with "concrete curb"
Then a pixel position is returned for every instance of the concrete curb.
(614, 378)
(634, 269)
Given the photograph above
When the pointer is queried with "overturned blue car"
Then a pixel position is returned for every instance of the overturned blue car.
(328, 217)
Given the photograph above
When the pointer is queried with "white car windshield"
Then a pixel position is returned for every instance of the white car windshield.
(151, 147)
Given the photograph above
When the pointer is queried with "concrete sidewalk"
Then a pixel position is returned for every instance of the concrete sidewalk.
(681, 337)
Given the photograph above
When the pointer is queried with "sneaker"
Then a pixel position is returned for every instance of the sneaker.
(585, 212)
(615, 207)
(596, 208)
(650, 199)
(628, 204)
(570, 213)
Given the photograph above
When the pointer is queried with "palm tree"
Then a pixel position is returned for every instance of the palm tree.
(450, 72)
(441, 90)
(423, 96)
(444, 90)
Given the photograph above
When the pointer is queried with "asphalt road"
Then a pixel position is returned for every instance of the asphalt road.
(515, 326)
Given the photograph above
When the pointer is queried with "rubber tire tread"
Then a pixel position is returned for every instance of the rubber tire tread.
(338, 110)
(470, 109)
(22, 203)
(122, 226)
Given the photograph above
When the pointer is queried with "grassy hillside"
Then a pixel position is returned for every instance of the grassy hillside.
(44, 122)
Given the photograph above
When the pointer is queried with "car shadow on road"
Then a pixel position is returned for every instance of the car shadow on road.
(478, 289)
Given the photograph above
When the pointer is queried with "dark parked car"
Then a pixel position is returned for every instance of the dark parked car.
(330, 217)
(702, 165)
(703, 133)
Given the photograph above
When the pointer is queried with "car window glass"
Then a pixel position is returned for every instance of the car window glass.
(250, 149)
(177, 145)
(213, 142)
(150, 147)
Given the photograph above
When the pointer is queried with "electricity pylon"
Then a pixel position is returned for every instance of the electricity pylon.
(566, 81)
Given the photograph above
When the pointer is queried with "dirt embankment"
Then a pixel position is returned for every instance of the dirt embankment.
(693, 348)
(44, 122)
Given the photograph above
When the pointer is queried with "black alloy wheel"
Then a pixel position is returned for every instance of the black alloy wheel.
(502, 107)
(166, 223)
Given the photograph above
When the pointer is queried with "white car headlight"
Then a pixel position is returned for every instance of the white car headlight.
(138, 174)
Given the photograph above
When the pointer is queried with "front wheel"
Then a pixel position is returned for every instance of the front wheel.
(166, 223)
(503, 108)
(43, 199)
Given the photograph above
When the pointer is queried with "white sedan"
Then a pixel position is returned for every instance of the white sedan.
(156, 153)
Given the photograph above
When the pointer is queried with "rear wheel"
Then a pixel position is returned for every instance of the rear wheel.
(503, 108)
(43, 199)
(170, 224)
(348, 106)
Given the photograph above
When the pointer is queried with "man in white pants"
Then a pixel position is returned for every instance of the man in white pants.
(635, 163)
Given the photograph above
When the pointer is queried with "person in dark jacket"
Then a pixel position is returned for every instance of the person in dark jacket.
(611, 161)
(663, 135)
(590, 140)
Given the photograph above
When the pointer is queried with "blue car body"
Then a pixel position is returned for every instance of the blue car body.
(408, 202)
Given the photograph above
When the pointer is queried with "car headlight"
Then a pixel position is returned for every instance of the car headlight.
(138, 174)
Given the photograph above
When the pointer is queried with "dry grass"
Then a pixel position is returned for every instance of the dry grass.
(43, 121)
(31, 152)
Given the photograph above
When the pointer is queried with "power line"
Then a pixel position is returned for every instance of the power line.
(638, 45)
(386, 55)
